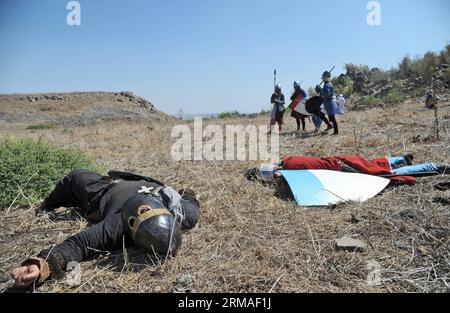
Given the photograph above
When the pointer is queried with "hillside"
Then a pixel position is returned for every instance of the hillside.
(76, 108)
(366, 87)
(248, 239)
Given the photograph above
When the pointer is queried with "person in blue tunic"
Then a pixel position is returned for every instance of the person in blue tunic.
(329, 100)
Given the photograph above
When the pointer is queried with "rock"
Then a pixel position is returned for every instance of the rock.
(350, 244)
(411, 214)
(73, 276)
(186, 279)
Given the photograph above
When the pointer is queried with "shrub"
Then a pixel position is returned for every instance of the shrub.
(343, 85)
(397, 84)
(311, 92)
(416, 92)
(40, 126)
(369, 101)
(446, 76)
(353, 69)
(404, 67)
(394, 97)
(229, 114)
(29, 169)
(378, 76)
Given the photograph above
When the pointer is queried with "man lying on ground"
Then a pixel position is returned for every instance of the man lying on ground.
(399, 170)
(146, 211)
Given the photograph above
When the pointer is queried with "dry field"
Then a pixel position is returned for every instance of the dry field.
(248, 240)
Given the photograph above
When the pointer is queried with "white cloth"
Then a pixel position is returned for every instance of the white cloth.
(322, 109)
(341, 105)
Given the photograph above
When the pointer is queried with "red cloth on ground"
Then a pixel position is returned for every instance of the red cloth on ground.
(310, 163)
(379, 166)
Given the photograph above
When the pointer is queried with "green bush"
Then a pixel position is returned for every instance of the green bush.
(421, 66)
(416, 92)
(40, 126)
(29, 169)
(353, 69)
(404, 67)
(343, 85)
(369, 101)
(379, 76)
(446, 76)
(229, 114)
(394, 97)
(397, 84)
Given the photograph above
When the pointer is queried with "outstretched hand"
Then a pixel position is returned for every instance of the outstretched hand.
(26, 275)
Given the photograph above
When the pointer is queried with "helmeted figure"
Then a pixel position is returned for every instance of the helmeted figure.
(144, 211)
(277, 113)
(329, 100)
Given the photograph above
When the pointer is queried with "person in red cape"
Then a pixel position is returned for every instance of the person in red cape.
(397, 169)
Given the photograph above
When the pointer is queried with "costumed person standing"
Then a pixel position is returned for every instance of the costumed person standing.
(341, 104)
(276, 116)
(329, 100)
(430, 101)
(298, 95)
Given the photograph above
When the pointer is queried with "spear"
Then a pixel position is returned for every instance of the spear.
(274, 78)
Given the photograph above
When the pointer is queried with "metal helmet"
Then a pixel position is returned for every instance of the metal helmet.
(326, 74)
(151, 225)
(278, 87)
(296, 85)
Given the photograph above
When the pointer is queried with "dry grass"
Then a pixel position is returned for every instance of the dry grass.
(248, 240)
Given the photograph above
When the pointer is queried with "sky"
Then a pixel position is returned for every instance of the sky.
(206, 56)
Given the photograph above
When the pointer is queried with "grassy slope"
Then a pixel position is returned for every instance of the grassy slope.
(249, 240)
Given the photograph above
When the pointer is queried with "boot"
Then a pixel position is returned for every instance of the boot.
(443, 169)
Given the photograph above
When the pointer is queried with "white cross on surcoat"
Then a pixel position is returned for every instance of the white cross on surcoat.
(146, 190)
